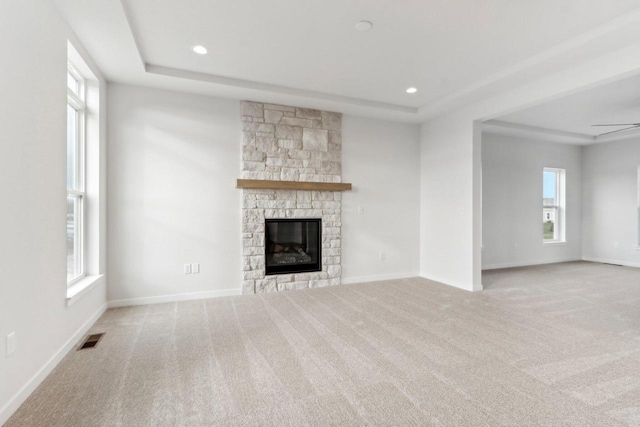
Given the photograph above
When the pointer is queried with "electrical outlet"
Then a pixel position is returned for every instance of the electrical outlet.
(382, 256)
(11, 343)
(616, 245)
(195, 268)
(187, 269)
(360, 210)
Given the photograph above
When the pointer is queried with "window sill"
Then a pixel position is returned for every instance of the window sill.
(81, 288)
(563, 243)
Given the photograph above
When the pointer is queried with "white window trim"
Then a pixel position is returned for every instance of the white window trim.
(89, 96)
(560, 206)
(554, 243)
(81, 287)
(77, 102)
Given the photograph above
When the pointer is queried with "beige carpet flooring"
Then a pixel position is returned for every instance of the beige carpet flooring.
(555, 345)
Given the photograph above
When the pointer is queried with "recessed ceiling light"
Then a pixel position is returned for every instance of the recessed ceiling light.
(364, 26)
(412, 90)
(200, 50)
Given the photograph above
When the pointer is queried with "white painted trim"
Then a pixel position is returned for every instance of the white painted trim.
(527, 263)
(173, 298)
(81, 288)
(378, 278)
(22, 395)
(612, 261)
(459, 285)
(554, 243)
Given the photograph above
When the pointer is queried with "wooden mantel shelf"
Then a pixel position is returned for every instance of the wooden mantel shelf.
(292, 185)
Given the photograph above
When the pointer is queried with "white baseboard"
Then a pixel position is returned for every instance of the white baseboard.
(463, 286)
(527, 263)
(612, 261)
(173, 298)
(22, 395)
(378, 278)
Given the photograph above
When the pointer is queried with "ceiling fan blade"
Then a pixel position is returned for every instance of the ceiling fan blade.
(621, 124)
(620, 130)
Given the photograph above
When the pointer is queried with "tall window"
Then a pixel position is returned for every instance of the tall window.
(76, 195)
(553, 205)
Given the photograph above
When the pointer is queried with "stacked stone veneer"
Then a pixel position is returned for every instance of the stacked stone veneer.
(290, 144)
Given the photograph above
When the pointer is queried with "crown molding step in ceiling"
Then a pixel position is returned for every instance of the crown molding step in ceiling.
(356, 58)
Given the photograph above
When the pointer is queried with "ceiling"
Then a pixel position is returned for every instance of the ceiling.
(616, 102)
(310, 53)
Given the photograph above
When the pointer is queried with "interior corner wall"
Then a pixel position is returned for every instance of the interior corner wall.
(382, 160)
(32, 189)
(512, 200)
(449, 225)
(611, 217)
(173, 161)
(451, 213)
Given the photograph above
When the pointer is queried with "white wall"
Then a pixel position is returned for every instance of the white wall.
(611, 202)
(447, 203)
(173, 162)
(512, 200)
(382, 160)
(452, 256)
(33, 286)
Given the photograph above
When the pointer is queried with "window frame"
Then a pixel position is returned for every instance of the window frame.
(76, 100)
(559, 227)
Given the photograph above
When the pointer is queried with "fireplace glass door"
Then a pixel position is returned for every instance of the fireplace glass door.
(292, 245)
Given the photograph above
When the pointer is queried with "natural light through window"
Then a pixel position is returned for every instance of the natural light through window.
(553, 205)
(75, 175)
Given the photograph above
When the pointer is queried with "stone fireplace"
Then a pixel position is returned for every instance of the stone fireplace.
(282, 143)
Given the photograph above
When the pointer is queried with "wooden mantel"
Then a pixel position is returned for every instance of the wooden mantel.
(292, 185)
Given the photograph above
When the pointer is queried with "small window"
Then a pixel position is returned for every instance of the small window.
(553, 209)
(76, 196)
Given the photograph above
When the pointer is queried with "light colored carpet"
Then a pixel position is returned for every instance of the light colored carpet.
(555, 345)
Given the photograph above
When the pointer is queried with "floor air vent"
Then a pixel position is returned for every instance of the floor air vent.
(91, 341)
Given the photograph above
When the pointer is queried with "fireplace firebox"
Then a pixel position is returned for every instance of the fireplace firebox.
(293, 245)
